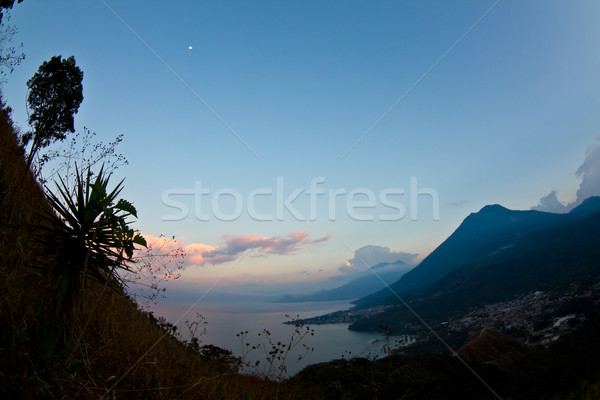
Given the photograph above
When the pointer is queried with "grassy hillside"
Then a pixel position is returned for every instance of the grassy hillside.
(122, 347)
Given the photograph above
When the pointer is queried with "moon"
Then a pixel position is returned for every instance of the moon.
(190, 47)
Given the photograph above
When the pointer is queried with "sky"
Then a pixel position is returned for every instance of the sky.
(294, 142)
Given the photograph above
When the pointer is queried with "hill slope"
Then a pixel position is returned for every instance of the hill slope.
(384, 274)
(45, 357)
(490, 233)
(549, 259)
(492, 347)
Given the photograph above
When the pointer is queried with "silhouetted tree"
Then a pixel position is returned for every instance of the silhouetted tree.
(55, 93)
(6, 5)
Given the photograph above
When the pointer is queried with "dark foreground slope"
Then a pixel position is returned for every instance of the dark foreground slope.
(122, 346)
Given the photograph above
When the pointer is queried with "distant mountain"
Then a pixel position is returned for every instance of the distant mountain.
(369, 282)
(589, 205)
(548, 259)
(486, 235)
(545, 259)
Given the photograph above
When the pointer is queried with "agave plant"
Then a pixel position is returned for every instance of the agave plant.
(89, 235)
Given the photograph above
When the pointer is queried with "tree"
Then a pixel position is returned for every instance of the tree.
(9, 54)
(6, 5)
(55, 93)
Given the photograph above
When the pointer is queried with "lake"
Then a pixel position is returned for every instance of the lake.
(330, 341)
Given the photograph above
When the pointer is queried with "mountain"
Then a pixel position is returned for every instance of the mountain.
(485, 235)
(545, 259)
(367, 283)
(551, 259)
(588, 206)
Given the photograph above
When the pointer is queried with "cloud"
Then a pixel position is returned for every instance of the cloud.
(458, 203)
(196, 251)
(236, 245)
(550, 203)
(589, 173)
(370, 255)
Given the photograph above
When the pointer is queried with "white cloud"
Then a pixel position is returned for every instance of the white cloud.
(589, 172)
(370, 255)
(550, 203)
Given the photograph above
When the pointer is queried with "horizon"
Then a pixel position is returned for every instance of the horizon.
(343, 147)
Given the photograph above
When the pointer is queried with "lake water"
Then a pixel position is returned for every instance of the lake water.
(224, 321)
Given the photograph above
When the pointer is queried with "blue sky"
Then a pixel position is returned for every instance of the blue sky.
(482, 101)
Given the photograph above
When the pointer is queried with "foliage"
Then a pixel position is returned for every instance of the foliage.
(220, 358)
(196, 328)
(277, 353)
(386, 331)
(55, 93)
(160, 261)
(84, 150)
(6, 5)
(89, 234)
(9, 55)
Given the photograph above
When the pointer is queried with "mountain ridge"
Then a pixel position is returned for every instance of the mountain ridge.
(358, 287)
(487, 233)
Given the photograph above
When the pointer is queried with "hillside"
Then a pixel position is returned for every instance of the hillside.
(551, 259)
(481, 237)
(542, 289)
(566, 369)
(492, 347)
(123, 352)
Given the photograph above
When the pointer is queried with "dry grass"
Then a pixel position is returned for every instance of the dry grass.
(123, 352)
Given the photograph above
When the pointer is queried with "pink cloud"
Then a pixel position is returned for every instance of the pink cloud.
(236, 245)
(163, 257)
(195, 252)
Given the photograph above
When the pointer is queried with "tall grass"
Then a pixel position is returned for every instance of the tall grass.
(123, 352)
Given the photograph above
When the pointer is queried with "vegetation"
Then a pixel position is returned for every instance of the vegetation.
(89, 234)
(109, 348)
(9, 55)
(68, 328)
(55, 93)
(6, 5)
(62, 334)
(122, 352)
